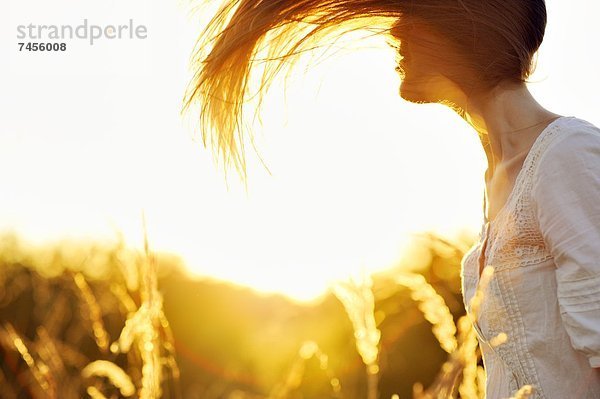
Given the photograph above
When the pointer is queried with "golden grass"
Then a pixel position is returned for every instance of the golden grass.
(433, 307)
(114, 373)
(139, 363)
(460, 373)
(39, 370)
(293, 380)
(139, 360)
(357, 297)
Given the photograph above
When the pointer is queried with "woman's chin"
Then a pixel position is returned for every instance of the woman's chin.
(409, 92)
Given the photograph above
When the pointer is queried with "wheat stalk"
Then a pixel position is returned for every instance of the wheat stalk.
(308, 350)
(94, 313)
(525, 392)
(39, 370)
(433, 307)
(114, 373)
(357, 297)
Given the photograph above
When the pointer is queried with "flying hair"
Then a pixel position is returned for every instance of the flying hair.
(495, 38)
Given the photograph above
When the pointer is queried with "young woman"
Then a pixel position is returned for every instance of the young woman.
(541, 230)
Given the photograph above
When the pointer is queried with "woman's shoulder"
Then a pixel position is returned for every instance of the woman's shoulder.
(568, 162)
(574, 143)
(575, 130)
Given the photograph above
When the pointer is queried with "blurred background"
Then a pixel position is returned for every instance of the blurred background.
(358, 182)
(229, 341)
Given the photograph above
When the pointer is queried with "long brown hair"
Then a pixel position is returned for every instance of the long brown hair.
(495, 38)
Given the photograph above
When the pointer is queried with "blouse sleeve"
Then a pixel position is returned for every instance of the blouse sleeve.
(566, 195)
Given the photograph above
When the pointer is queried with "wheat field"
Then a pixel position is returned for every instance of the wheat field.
(87, 320)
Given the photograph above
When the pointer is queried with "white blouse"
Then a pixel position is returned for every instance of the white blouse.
(544, 294)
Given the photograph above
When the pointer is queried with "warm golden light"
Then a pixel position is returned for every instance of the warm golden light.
(355, 170)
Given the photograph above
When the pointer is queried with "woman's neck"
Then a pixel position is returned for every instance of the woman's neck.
(508, 120)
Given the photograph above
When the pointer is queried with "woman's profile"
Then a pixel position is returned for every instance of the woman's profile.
(541, 227)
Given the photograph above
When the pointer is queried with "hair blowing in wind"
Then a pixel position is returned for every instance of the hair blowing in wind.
(495, 40)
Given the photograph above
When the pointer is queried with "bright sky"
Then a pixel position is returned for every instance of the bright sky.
(91, 136)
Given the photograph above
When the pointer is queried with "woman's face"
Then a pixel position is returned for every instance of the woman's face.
(425, 63)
